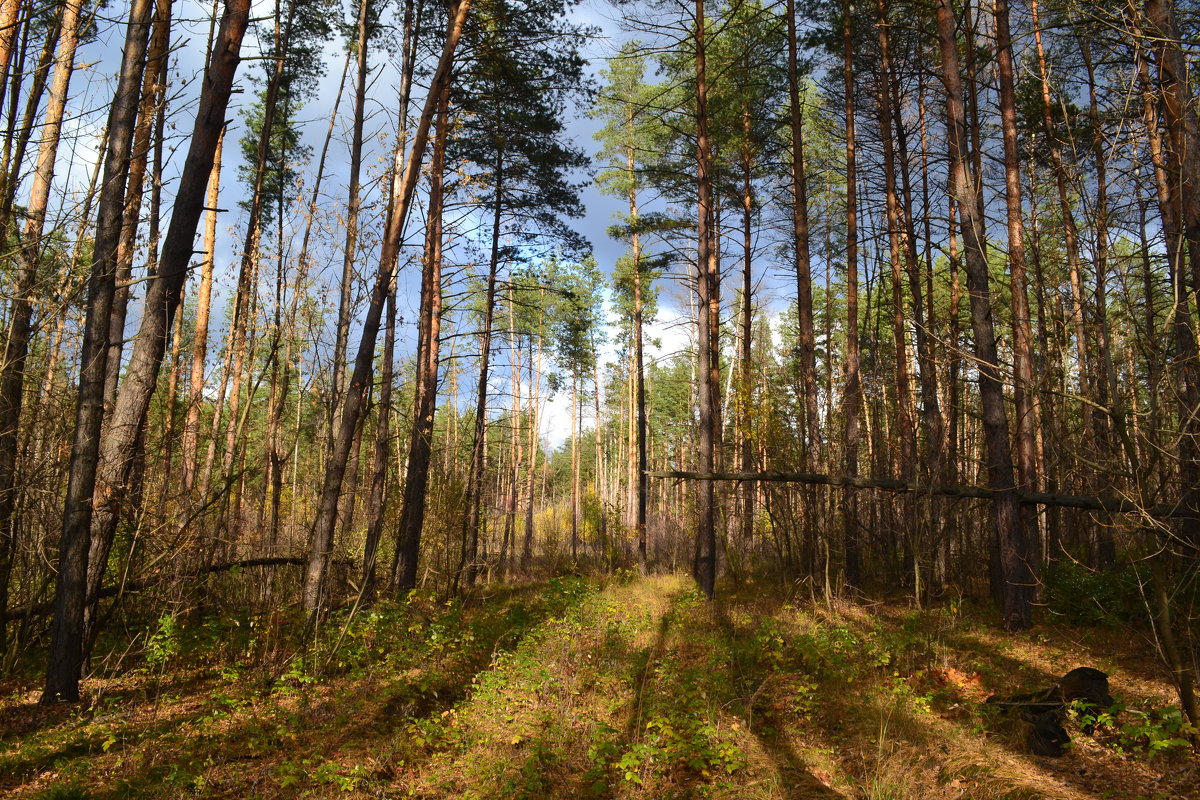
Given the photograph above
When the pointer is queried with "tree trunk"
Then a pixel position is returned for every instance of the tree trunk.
(708, 285)
(518, 444)
(904, 404)
(191, 425)
(1070, 231)
(1009, 531)
(377, 504)
(13, 161)
(470, 557)
(535, 377)
(16, 343)
(105, 515)
(62, 678)
(853, 390)
(1023, 386)
(1183, 171)
(575, 468)
(353, 206)
(9, 11)
(800, 239)
(598, 477)
(420, 447)
(745, 357)
(153, 77)
(1111, 420)
(322, 536)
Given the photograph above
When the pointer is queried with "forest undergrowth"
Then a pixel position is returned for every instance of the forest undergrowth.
(630, 688)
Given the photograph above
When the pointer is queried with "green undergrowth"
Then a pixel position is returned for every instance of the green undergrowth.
(630, 688)
(202, 713)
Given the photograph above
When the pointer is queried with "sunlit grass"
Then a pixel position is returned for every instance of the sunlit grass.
(636, 688)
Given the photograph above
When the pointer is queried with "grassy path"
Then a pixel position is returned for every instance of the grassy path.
(637, 689)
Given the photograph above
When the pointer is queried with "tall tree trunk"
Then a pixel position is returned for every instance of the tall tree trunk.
(9, 24)
(575, 467)
(470, 556)
(1025, 436)
(353, 206)
(1183, 171)
(66, 659)
(512, 500)
(13, 161)
(639, 490)
(853, 390)
(535, 378)
(200, 336)
(246, 294)
(377, 500)
(1009, 532)
(335, 469)
(152, 80)
(191, 425)
(1050, 366)
(923, 317)
(1111, 420)
(377, 504)
(420, 447)
(67, 651)
(906, 458)
(800, 239)
(598, 477)
(1185, 377)
(16, 343)
(1070, 231)
(708, 284)
(746, 368)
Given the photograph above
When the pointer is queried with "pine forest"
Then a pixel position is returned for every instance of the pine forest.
(600, 398)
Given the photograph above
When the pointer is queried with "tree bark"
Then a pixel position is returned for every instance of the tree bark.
(1010, 537)
(708, 286)
(853, 391)
(322, 536)
(353, 206)
(9, 12)
(420, 447)
(800, 240)
(1070, 231)
(154, 75)
(535, 378)
(1183, 171)
(470, 553)
(62, 679)
(1023, 382)
(906, 458)
(191, 425)
(16, 343)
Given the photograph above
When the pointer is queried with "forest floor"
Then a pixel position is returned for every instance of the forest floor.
(631, 689)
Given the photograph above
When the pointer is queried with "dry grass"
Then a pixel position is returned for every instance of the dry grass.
(635, 690)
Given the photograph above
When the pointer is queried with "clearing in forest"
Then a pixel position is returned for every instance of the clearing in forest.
(636, 688)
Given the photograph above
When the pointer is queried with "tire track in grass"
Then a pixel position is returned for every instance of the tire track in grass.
(632, 695)
(544, 719)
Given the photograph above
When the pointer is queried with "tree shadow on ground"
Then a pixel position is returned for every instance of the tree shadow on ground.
(796, 780)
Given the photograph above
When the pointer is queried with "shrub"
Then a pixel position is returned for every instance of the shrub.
(1082, 596)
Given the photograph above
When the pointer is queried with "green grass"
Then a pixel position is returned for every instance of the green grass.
(637, 688)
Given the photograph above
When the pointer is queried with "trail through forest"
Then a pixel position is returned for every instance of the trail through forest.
(636, 688)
